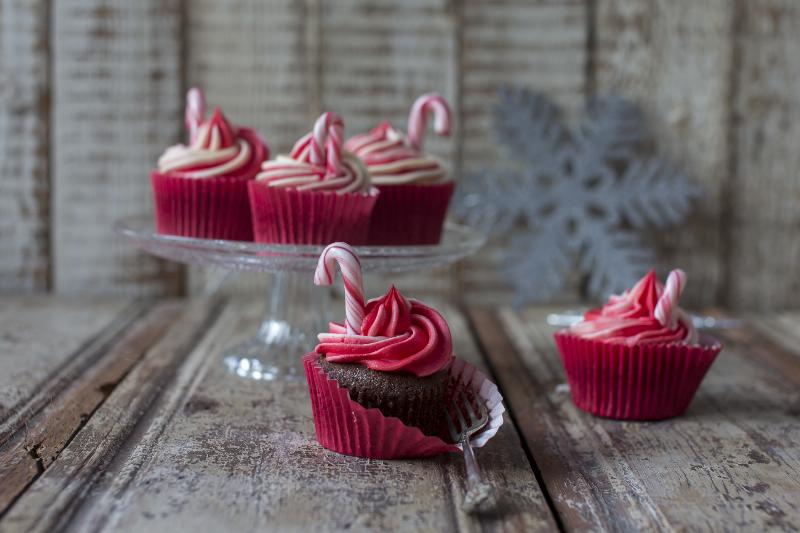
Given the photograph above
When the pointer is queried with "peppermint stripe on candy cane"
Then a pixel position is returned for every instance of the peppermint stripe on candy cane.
(195, 111)
(343, 254)
(418, 118)
(666, 311)
(326, 143)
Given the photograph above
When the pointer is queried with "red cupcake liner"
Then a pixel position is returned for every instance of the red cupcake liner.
(289, 216)
(410, 214)
(346, 427)
(642, 382)
(213, 208)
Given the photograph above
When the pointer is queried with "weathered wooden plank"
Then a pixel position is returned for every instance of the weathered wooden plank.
(33, 449)
(539, 45)
(24, 144)
(675, 59)
(731, 462)
(763, 247)
(47, 343)
(52, 499)
(116, 106)
(221, 454)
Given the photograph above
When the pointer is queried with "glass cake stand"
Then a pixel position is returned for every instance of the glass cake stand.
(296, 309)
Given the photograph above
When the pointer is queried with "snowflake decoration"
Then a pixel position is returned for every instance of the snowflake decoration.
(584, 193)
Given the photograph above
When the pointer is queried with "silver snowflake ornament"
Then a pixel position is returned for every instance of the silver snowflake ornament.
(581, 195)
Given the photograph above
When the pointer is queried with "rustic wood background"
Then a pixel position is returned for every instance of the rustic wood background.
(91, 92)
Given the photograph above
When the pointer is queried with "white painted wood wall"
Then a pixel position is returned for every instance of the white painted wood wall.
(91, 92)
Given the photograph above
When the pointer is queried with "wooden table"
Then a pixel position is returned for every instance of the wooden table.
(119, 416)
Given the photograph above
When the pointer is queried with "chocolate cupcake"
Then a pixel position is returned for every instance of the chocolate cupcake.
(398, 363)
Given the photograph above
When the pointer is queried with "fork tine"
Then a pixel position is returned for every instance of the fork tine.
(453, 431)
(463, 423)
(473, 418)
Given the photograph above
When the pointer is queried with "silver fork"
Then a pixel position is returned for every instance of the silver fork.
(480, 495)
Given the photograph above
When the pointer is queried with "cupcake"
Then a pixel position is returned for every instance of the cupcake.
(200, 189)
(315, 195)
(382, 381)
(638, 357)
(415, 189)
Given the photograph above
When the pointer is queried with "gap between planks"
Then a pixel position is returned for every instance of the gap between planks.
(49, 421)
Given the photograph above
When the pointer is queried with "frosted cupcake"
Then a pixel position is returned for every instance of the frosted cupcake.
(415, 188)
(315, 195)
(382, 381)
(200, 189)
(638, 357)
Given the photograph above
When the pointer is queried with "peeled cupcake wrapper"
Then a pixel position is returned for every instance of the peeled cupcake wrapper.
(641, 382)
(410, 214)
(345, 426)
(213, 208)
(289, 216)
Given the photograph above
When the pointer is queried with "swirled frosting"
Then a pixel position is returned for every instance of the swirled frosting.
(398, 335)
(392, 160)
(630, 318)
(296, 171)
(217, 149)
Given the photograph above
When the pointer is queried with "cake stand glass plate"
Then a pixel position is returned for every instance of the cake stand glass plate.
(296, 309)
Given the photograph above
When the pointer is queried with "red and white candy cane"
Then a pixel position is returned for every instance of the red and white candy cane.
(195, 111)
(343, 254)
(666, 311)
(418, 118)
(326, 143)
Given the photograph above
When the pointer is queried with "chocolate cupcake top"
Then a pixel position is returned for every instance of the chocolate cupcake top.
(216, 148)
(394, 158)
(388, 334)
(318, 163)
(647, 313)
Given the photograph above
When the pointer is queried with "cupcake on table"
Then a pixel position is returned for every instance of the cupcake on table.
(638, 357)
(381, 382)
(415, 188)
(317, 194)
(200, 188)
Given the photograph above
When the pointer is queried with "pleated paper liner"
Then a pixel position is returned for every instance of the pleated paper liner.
(209, 208)
(213, 208)
(346, 427)
(642, 382)
(410, 214)
(289, 216)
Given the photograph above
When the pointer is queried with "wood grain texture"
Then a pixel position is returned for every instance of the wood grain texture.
(36, 446)
(52, 499)
(538, 45)
(731, 462)
(24, 143)
(764, 218)
(675, 59)
(116, 107)
(46, 344)
(219, 453)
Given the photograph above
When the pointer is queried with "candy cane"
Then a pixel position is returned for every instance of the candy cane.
(418, 118)
(343, 254)
(666, 311)
(326, 143)
(195, 111)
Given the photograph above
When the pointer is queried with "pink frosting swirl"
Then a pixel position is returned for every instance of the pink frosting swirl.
(398, 335)
(392, 160)
(630, 318)
(217, 149)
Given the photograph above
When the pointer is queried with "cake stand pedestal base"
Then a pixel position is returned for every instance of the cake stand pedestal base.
(296, 311)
